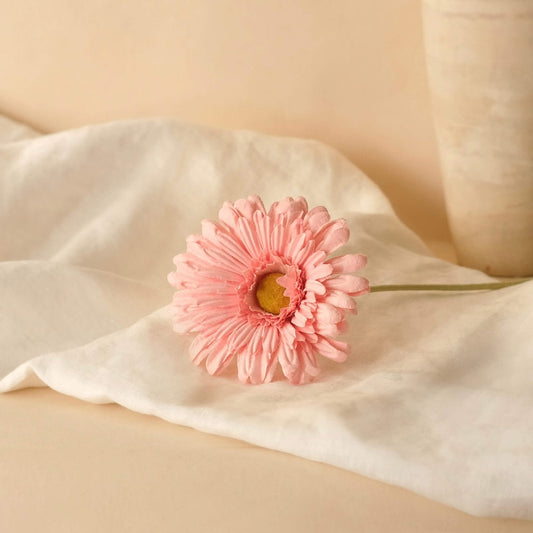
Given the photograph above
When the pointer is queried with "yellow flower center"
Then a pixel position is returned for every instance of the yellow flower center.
(269, 294)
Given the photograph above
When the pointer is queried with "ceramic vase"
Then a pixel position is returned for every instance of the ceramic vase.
(479, 56)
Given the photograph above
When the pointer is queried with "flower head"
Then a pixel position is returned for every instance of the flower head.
(257, 285)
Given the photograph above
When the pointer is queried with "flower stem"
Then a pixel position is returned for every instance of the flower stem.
(448, 287)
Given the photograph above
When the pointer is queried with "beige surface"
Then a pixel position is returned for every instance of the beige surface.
(348, 73)
(70, 466)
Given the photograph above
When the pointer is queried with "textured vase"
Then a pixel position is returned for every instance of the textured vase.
(480, 64)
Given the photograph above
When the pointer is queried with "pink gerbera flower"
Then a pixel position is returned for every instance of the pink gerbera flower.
(258, 285)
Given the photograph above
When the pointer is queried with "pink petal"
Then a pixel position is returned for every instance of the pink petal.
(295, 245)
(293, 208)
(248, 363)
(243, 364)
(309, 338)
(339, 299)
(257, 203)
(234, 249)
(206, 319)
(232, 324)
(215, 289)
(317, 217)
(332, 349)
(198, 348)
(328, 329)
(245, 207)
(319, 272)
(301, 203)
(219, 358)
(298, 362)
(347, 263)
(228, 215)
(298, 319)
(280, 207)
(288, 360)
(264, 230)
(240, 336)
(249, 237)
(354, 285)
(334, 235)
(307, 369)
(224, 252)
(269, 360)
(307, 309)
(315, 286)
(328, 314)
(194, 248)
(309, 360)
(257, 362)
(271, 340)
(183, 326)
(315, 259)
(278, 238)
(287, 355)
(210, 230)
(301, 255)
(180, 258)
(289, 282)
(186, 273)
(287, 333)
(220, 245)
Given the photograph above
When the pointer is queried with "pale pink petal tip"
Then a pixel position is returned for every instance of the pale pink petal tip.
(257, 287)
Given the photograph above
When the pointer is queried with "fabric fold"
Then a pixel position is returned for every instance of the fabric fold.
(436, 395)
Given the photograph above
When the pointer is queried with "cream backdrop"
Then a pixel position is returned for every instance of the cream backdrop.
(349, 73)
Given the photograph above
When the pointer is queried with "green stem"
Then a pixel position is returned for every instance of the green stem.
(448, 287)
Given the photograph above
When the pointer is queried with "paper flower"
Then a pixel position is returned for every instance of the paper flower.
(257, 285)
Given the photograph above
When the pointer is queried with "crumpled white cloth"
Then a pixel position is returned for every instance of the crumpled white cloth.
(437, 396)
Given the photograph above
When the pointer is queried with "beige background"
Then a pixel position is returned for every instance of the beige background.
(349, 73)
(71, 467)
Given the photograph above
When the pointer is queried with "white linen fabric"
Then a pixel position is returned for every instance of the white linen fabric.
(437, 396)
